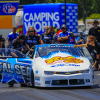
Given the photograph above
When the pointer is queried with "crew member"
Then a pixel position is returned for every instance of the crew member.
(19, 43)
(64, 35)
(46, 38)
(13, 35)
(94, 49)
(32, 38)
(95, 30)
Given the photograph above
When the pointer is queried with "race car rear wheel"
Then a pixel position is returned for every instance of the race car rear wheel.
(32, 79)
(23, 85)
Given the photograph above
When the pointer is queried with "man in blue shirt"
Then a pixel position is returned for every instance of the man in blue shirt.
(71, 39)
(13, 35)
(64, 35)
(80, 39)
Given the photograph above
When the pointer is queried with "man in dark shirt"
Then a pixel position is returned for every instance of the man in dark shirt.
(32, 38)
(94, 49)
(95, 30)
(3, 41)
(51, 30)
(18, 44)
(46, 38)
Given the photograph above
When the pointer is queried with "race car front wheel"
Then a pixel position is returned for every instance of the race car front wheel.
(32, 79)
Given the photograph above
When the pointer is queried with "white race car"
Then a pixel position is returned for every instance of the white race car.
(61, 65)
(55, 65)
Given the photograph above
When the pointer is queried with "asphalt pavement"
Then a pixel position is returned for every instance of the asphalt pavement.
(28, 93)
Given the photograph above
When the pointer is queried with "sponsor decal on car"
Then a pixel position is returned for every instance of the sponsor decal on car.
(61, 65)
(58, 59)
(37, 83)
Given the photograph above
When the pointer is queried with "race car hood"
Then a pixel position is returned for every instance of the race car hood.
(63, 62)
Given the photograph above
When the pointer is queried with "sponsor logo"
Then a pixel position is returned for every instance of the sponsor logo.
(37, 83)
(67, 73)
(40, 20)
(8, 8)
(98, 30)
(61, 65)
(58, 59)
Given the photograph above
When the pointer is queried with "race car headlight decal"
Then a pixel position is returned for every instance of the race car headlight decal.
(84, 71)
(48, 72)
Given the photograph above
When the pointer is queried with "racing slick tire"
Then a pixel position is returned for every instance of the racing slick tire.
(32, 79)
(10, 84)
(23, 85)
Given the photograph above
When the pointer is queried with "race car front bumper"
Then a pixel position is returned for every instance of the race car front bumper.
(86, 79)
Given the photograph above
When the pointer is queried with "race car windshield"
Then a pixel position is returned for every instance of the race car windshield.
(48, 50)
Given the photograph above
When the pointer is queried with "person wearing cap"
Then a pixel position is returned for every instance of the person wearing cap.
(80, 39)
(95, 30)
(63, 36)
(46, 38)
(94, 48)
(13, 35)
(19, 43)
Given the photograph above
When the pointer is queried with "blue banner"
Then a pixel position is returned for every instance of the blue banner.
(8, 8)
(53, 14)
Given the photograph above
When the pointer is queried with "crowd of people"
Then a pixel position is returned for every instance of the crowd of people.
(53, 35)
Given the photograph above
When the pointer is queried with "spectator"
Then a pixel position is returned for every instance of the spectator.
(95, 49)
(95, 30)
(64, 35)
(19, 43)
(32, 38)
(13, 35)
(81, 39)
(3, 41)
(46, 38)
(55, 37)
(71, 38)
(51, 30)
(29, 29)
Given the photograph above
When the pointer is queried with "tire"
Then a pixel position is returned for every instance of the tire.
(32, 79)
(23, 85)
(10, 85)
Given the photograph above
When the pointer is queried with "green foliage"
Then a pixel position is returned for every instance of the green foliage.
(94, 16)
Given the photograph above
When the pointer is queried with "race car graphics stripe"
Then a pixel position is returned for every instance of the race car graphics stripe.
(11, 70)
(13, 79)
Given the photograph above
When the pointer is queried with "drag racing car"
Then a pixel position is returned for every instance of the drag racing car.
(50, 65)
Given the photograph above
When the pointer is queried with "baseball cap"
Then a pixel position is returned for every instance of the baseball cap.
(95, 21)
(63, 26)
(22, 37)
(81, 33)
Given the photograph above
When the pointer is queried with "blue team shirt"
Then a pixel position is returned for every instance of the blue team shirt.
(61, 34)
(71, 40)
(12, 36)
(78, 38)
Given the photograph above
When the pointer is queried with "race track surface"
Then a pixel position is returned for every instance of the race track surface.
(28, 93)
